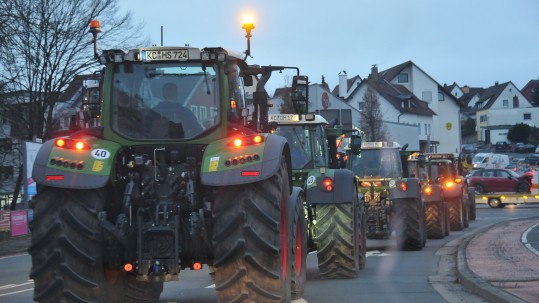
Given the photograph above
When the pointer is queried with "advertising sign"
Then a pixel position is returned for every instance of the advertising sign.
(5, 220)
(19, 223)
(30, 153)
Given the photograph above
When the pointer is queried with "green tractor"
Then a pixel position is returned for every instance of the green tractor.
(176, 176)
(432, 192)
(335, 212)
(393, 202)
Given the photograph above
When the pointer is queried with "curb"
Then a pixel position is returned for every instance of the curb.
(476, 284)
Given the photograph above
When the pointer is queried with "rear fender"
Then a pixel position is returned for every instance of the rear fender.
(68, 168)
(224, 164)
(435, 195)
(343, 185)
(396, 191)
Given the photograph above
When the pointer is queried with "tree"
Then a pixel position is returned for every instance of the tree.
(44, 44)
(371, 119)
(535, 94)
(468, 127)
(519, 133)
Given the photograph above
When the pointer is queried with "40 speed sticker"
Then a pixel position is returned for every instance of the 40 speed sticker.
(100, 154)
(392, 183)
(311, 180)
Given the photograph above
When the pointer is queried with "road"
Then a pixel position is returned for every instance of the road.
(389, 276)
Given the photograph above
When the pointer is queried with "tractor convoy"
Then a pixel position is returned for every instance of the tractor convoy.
(177, 174)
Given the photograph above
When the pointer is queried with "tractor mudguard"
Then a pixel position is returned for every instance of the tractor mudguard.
(435, 195)
(79, 169)
(224, 164)
(396, 190)
(453, 192)
(343, 185)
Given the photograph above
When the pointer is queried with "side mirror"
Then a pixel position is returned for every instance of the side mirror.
(355, 143)
(248, 80)
(300, 94)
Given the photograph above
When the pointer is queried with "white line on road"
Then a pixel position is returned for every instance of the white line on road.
(524, 240)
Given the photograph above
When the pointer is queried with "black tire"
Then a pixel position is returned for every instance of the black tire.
(465, 211)
(362, 236)
(299, 251)
(473, 206)
(66, 247)
(446, 219)
(456, 214)
(480, 189)
(409, 225)
(252, 249)
(495, 203)
(337, 240)
(435, 220)
(523, 187)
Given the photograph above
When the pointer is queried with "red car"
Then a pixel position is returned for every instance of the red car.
(498, 180)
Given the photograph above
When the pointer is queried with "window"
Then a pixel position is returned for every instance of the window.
(441, 96)
(419, 128)
(194, 110)
(483, 118)
(360, 106)
(527, 116)
(505, 103)
(427, 96)
(480, 105)
(402, 78)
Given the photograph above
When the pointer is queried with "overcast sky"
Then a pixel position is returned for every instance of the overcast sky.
(470, 42)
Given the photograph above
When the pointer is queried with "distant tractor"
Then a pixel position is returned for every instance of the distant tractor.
(432, 192)
(335, 213)
(393, 202)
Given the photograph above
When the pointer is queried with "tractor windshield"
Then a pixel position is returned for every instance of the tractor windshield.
(300, 145)
(376, 163)
(164, 100)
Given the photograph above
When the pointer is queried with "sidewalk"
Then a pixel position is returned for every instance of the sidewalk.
(495, 263)
(15, 245)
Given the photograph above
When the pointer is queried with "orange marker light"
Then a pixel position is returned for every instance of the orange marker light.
(60, 142)
(257, 139)
(94, 24)
(128, 267)
(427, 190)
(449, 184)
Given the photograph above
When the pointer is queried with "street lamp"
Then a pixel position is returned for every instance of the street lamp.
(248, 26)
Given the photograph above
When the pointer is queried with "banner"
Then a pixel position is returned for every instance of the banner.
(5, 220)
(19, 223)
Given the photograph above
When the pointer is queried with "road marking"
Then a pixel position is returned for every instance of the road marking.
(15, 292)
(14, 285)
(524, 240)
(376, 253)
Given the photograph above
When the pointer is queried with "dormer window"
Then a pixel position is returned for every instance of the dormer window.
(402, 78)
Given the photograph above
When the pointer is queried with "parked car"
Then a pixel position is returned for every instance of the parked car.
(469, 148)
(524, 147)
(502, 146)
(533, 160)
(498, 180)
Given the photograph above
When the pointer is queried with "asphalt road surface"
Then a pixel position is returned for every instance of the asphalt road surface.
(390, 275)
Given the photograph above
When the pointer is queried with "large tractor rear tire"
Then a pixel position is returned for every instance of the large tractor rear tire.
(299, 250)
(66, 248)
(252, 228)
(435, 219)
(362, 237)
(337, 240)
(409, 225)
(456, 214)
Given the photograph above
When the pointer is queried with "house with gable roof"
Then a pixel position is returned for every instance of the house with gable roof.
(498, 108)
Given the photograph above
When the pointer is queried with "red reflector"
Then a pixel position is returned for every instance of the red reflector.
(250, 173)
(128, 267)
(54, 177)
(403, 186)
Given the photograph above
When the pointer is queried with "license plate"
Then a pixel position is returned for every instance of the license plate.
(162, 55)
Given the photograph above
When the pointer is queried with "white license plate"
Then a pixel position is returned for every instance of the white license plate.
(161, 55)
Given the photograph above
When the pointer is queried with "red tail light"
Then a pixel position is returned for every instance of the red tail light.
(403, 186)
(72, 144)
(328, 184)
(449, 184)
(427, 190)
